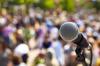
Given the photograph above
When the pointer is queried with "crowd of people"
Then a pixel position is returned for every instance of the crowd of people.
(32, 38)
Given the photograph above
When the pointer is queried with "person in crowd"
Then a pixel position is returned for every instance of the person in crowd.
(26, 35)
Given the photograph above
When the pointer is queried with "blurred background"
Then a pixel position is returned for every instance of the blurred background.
(29, 31)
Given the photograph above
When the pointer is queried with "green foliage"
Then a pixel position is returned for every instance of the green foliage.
(47, 4)
(68, 5)
(97, 5)
(18, 1)
(30, 1)
(89, 5)
(2, 3)
(86, 4)
(23, 2)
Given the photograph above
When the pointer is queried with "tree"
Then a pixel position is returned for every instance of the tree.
(19, 2)
(68, 5)
(2, 3)
(96, 5)
(47, 4)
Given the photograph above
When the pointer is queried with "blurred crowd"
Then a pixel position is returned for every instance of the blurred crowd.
(32, 38)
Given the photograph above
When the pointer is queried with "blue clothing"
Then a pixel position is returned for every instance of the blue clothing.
(57, 46)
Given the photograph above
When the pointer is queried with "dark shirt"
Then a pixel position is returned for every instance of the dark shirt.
(46, 45)
(3, 60)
